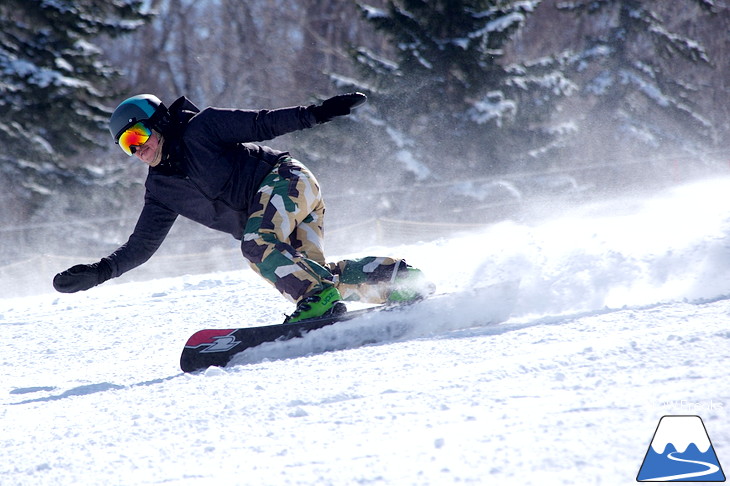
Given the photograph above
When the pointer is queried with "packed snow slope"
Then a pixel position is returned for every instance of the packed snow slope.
(618, 315)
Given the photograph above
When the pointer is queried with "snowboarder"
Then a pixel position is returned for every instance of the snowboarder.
(204, 165)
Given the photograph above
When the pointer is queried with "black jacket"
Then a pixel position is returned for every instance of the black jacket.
(209, 173)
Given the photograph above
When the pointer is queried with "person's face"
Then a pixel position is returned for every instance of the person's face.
(146, 152)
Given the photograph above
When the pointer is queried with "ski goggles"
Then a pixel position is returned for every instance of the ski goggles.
(133, 137)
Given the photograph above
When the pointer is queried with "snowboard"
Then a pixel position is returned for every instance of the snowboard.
(215, 347)
(436, 313)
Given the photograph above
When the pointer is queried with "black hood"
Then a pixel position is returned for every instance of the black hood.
(172, 125)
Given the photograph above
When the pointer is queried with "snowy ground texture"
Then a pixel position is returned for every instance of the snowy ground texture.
(621, 317)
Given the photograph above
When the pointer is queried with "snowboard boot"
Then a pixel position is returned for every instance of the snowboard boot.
(410, 285)
(324, 303)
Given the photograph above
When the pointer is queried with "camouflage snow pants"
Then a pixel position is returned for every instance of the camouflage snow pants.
(283, 241)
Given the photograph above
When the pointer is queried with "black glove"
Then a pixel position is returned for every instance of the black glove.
(339, 105)
(82, 277)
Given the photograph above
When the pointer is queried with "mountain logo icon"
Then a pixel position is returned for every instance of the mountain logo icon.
(681, 451)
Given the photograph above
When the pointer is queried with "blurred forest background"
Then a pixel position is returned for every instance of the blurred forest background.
(477, 108)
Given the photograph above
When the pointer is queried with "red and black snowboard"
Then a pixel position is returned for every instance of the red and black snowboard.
(477, 307)
(215, 347)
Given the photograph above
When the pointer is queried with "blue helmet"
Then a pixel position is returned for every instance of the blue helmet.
(138, 108)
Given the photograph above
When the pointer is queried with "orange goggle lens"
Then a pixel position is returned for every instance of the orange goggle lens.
(134, 136)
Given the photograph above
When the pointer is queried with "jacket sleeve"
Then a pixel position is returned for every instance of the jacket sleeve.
(227, 126)
(152, 227)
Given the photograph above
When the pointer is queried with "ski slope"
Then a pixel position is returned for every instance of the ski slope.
(621, 316)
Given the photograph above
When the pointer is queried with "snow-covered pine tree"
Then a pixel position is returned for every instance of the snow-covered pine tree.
(54, 85)
(448, 94)
(630, 70)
